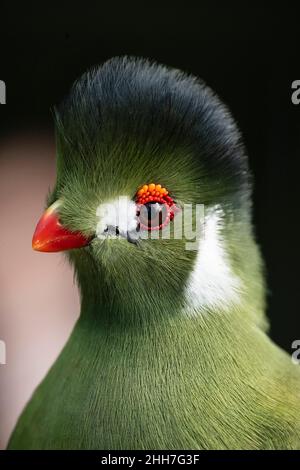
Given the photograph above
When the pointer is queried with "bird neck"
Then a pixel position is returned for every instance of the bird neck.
(179, 337)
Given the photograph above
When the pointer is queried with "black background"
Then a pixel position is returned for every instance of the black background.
(248, 55)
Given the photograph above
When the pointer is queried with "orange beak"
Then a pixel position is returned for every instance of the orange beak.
(51, 236)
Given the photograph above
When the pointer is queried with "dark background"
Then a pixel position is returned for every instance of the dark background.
(248, 55)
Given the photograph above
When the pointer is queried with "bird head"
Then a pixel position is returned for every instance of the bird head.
(137, 144)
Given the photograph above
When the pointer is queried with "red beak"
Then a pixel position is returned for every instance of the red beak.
(51, 236)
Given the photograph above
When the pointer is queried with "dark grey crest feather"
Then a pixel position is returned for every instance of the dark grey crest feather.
(135, 98)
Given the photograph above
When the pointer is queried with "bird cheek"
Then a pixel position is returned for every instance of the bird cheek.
(51, 236)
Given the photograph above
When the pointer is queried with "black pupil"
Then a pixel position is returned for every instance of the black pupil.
(153, 214)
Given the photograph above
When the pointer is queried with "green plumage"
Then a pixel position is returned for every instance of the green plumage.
(138, 371)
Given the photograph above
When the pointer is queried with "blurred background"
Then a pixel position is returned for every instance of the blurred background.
(248, 55)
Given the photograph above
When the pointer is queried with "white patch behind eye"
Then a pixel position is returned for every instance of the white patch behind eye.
(120, 212)
(212, 283)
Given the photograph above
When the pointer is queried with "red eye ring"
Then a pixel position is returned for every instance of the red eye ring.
(151, 194)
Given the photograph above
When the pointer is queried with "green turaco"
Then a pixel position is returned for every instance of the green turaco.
(170, 350)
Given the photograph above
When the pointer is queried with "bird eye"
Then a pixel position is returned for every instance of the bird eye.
(153, 215)
(155, 207)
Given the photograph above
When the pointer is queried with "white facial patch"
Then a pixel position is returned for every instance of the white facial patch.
(212, 283)
(120, 212)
